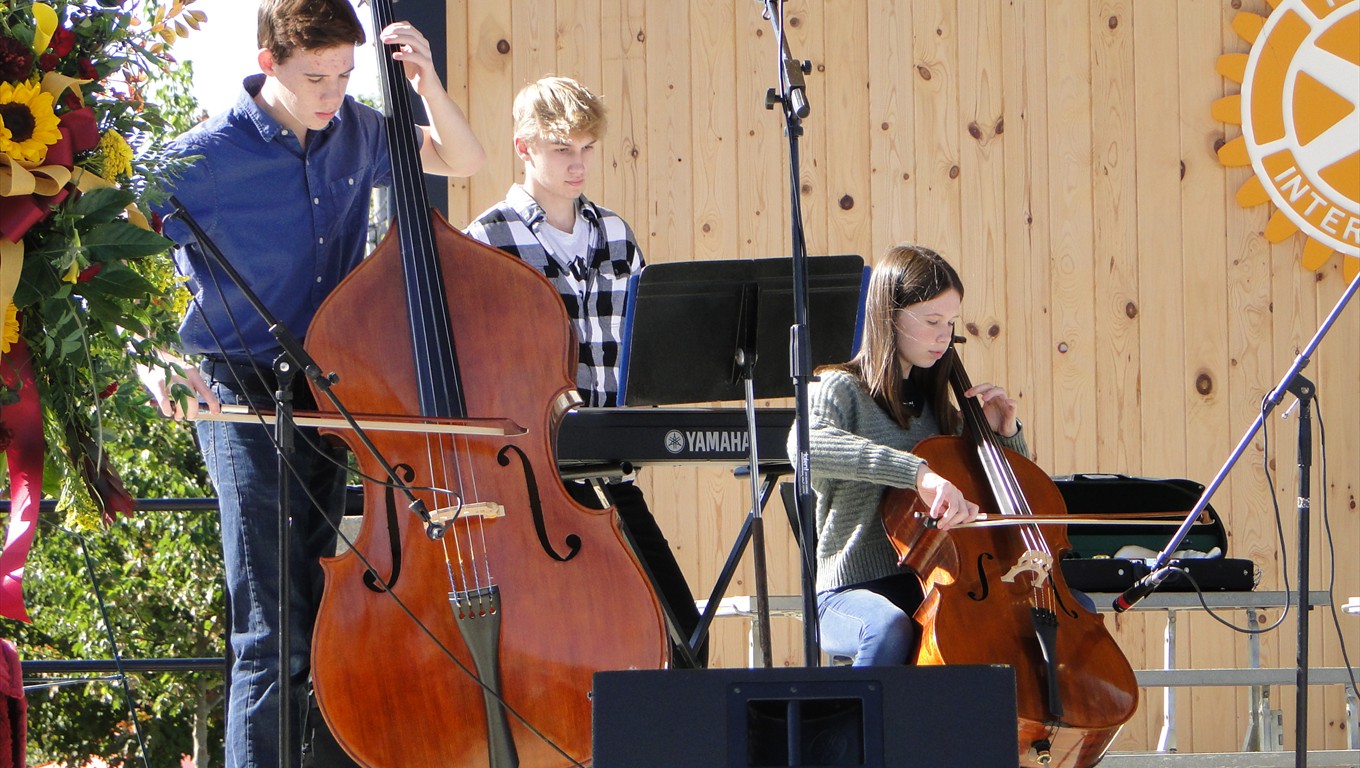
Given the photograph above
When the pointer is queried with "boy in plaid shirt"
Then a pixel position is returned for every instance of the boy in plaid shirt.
(588, 252)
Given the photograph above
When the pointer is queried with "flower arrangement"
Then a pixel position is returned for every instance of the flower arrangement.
(84, 275)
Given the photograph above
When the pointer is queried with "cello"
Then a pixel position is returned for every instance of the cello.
(995, 595)
(467, 634)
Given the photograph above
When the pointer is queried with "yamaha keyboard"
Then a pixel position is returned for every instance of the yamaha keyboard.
(643, 436)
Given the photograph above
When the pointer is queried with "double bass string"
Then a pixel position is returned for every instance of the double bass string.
(432, 329)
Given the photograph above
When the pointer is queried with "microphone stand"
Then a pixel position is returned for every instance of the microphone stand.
(293, 358)
(1303, 389)
(792, 97)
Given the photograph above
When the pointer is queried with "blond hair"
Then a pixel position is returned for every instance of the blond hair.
(555, 109)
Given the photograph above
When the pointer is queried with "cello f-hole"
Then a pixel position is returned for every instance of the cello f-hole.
(982, 579)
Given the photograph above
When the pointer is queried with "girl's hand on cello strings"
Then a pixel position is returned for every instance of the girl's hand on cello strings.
(998, 406)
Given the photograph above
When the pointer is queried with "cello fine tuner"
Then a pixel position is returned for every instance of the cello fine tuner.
(487, 510)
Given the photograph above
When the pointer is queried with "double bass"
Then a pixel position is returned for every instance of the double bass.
(995, 595)
(466, 630)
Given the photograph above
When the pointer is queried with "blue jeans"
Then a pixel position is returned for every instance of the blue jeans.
(243, 465)
(871, 622)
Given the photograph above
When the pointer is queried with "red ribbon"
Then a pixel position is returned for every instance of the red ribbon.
(79, 133)
(25, 452)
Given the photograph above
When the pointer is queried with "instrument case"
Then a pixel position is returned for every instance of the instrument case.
(1090, 565)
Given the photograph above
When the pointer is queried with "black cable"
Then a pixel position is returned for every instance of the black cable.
(1331, 551)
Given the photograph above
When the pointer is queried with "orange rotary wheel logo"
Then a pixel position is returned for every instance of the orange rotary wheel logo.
(1299, 109)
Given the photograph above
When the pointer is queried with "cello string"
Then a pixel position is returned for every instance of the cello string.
(1005, 486)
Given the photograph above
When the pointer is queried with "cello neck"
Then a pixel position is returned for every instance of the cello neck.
(1010, 499)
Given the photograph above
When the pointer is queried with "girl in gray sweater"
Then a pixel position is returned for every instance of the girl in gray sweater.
(865, 416)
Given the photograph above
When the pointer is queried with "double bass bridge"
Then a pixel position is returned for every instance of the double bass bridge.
(486, 510)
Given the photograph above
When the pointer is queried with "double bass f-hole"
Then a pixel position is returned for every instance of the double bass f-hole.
(572, 541)
(407, 474)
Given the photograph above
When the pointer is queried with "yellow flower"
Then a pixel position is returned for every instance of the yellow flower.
(29, 124)
(10, 334)
(117, 155)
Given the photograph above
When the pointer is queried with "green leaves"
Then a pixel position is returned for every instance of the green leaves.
(121, 240)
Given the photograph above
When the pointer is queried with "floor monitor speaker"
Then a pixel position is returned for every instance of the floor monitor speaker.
(882, 717)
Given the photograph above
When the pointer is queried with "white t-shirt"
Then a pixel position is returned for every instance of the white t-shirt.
(569, 248)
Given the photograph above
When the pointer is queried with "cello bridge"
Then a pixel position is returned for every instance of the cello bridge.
(1038, 563)
(487, 510)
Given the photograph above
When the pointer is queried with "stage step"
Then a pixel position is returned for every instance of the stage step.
(1329, 758)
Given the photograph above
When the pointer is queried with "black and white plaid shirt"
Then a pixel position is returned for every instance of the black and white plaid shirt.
(594, 291)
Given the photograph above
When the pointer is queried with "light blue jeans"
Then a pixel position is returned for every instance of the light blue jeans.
(242, 464)
(871, 622)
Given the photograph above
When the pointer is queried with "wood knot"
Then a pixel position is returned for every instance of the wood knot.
(1000, 126)
(502, 47)
(1062, 347)
(846, 202)
(1131, 310)
(923, 71)
(1204, 383)
(993, 331)
(953, 172)
(642, 36)
(1113, 22)
(974, 130)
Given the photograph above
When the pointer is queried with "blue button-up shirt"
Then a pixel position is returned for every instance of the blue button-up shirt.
(291, 220)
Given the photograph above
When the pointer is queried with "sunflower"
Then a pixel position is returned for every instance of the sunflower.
(10, 333)
(29, 124)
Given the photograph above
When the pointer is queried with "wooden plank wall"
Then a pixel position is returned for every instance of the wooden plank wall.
(1061, 153)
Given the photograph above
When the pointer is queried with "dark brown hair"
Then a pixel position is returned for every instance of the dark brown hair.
(287, 26)
(907, 275)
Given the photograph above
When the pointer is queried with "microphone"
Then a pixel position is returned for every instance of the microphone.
(1140, 589)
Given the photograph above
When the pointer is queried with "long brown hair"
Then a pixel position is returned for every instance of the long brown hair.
(907, 275)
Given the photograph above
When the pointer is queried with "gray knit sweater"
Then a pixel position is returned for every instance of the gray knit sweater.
(857, 450)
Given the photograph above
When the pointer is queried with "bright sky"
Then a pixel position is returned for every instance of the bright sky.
(223, 52)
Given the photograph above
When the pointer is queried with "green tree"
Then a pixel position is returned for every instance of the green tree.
(159, 590)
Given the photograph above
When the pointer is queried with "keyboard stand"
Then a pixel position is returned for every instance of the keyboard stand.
(692, 334)
(769, 478)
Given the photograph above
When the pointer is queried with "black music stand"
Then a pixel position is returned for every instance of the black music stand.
(685, 324)
(693, 334)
